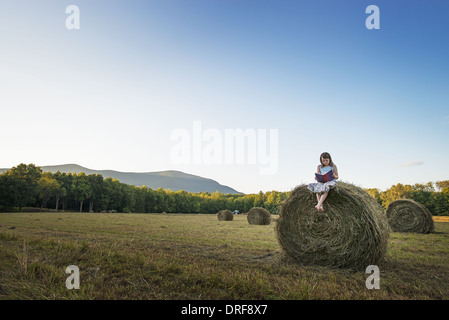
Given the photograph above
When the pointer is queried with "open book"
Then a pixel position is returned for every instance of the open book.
(325, 177)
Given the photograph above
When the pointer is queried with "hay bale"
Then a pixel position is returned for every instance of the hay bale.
(352, 232)
(225, 215)
(406, 215)
(260, 216)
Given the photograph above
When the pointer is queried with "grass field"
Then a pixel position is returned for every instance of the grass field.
(177, 256)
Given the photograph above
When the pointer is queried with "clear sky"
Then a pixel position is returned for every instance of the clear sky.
(115, 93)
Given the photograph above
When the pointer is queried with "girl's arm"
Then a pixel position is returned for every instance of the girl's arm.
(335, 172)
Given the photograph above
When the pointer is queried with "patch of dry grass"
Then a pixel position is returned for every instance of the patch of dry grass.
(174, 256)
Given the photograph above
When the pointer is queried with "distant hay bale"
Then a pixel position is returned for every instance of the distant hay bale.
(260, 216)
(406, 215)
(352, 232)
(225, 215)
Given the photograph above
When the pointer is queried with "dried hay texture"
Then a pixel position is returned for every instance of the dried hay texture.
(225, 215)
(352, 232)
(406, 215)
(260, 216)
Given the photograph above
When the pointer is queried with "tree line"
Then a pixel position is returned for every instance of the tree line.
(28, 186)
(434, 196)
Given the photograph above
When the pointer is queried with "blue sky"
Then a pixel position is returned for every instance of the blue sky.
(110, 95)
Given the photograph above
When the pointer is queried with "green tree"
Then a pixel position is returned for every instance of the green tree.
(422, 193)
(396, 192)
(375, 193)
(47, 187)
(113, 194)
(23, 181)
(150, 199)
(65, 194)
(140, 199)
(60, 192)
(440, 204)
(443, 186)
(196, 204)
(128, 198)
(81, 189)
(248, 202)
(97, 190)
(7, 196)
(259, 199)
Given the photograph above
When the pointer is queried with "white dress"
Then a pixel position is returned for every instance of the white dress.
(319, 187)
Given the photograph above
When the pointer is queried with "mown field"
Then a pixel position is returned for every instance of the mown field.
(180, 256)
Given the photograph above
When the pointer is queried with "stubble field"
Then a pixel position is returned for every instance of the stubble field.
(195, 256)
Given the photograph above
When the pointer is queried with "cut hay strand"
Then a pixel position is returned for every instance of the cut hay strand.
(225, 215)
(406, 215)
(352, 232)
(260, 216)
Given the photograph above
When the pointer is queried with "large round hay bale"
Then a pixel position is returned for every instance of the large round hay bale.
(406, 215)
(258, 215)
(225, 215)
(352, 232)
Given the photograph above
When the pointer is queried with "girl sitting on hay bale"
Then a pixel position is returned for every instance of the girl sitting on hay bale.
(326, 176)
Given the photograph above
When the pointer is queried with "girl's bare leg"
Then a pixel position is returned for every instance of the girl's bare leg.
(318, 197)
(319, 206)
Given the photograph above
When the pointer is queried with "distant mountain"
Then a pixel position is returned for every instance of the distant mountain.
(173, 180)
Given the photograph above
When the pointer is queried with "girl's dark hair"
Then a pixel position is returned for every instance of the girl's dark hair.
(326, 155)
